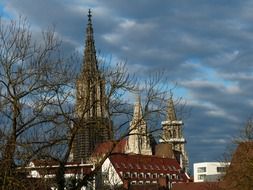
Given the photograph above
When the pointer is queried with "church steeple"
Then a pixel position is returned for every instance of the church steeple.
(138, 140)
(90, 60)
(90, 84)
(94, 123)
(173, 133)
(137, 110)
(171, 114)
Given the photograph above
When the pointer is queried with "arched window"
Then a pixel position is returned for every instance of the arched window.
(170, 134)
(174, 133)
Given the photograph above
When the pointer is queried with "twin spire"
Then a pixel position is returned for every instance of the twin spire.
(138, 140)
(171, 113)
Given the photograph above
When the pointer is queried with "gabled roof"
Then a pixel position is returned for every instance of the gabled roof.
(106, 147)
(146, 164)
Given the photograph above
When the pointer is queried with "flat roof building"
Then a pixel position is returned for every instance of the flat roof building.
(209, 171)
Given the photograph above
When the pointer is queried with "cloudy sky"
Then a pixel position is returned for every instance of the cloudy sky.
(205, 46)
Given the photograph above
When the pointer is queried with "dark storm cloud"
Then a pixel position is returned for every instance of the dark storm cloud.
(205, 46)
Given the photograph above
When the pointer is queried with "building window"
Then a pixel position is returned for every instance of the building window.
(147, 175)
(133, 182)
(154, 176)
(126, 175)
(141, 175)
(221, 169)
(201, 169)
(134, 175)
(202, 177)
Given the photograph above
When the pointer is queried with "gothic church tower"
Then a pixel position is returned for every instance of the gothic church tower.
(173, 134)
(94, 125)
(138, 140)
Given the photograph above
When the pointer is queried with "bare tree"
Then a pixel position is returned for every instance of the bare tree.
(37, 95)
(240, 156)
(32, 76)
(155, 93)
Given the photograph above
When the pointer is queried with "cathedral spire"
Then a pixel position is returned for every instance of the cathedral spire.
(171, 114)
(173, 134)
(89, 16)
(95, 125)
(138, 140)
(90, 60)
(137, 116)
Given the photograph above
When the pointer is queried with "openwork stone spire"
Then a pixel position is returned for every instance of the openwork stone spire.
(138, 140)
(90, 60)
(92, 116)
(91, 97)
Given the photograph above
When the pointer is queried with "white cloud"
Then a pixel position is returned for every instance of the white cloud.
(112, 38)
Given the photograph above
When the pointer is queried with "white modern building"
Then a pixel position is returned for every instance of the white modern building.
(209, 171)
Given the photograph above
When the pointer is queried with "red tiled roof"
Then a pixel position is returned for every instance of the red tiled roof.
(196, 186)
(107, 146)
(146, 164)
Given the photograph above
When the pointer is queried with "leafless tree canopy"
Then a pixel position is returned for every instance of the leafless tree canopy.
(37, 95)
(33, 83)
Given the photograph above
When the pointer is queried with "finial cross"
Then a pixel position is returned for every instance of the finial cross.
(89, 15)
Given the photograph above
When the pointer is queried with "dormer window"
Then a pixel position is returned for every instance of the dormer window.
(157, 167)
(124, 165)
(130, 166)
(117, 166)
(170, 169)
(138, 166)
